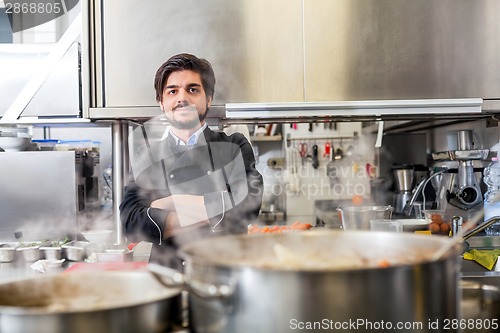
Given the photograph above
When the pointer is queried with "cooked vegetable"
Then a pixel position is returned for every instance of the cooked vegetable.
(286, 257)
(384, 264)
(30, 244)
(253, 228)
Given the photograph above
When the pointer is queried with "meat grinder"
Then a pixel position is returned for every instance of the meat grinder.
(461, 186)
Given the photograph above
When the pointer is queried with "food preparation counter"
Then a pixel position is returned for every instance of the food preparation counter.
(74, 256)
(22, 269)
(479, 287)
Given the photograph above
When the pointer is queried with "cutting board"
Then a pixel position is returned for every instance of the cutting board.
(106, 266)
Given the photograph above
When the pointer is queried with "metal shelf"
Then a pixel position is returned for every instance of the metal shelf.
(418, 125)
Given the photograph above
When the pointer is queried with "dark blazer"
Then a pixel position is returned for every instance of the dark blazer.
(221, 168)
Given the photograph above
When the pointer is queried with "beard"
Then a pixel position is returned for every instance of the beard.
(187, 124)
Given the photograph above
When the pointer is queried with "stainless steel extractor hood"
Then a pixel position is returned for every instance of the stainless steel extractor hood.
(338, 57)
(354, 109)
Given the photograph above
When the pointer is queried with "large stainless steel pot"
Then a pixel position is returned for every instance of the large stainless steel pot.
(83, 302)
(260, 298)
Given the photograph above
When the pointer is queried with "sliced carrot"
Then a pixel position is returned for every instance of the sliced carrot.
(384, 264)
(297, 225)
(302, 226)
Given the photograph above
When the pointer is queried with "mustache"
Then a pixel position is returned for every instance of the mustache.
(184, 105)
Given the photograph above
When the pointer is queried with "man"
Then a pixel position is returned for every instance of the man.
(195, 181)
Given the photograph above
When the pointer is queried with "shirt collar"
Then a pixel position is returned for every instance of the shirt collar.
(193, 139)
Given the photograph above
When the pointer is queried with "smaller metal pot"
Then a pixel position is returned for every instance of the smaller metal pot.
(96, 301)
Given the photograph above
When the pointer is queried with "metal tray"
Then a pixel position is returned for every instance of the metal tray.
(8, 252)
(76, 250)
(30, 251)
(51, 252)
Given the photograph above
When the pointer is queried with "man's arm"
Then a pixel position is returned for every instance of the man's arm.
(184, 210)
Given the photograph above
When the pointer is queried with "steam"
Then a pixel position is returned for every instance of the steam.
(223, 186)
(59, 227)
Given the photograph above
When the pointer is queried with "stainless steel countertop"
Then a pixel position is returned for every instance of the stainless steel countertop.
(22, 269)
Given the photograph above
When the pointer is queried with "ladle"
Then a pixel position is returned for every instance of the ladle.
(339, 153)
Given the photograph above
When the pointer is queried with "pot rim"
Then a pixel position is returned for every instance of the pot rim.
(168, 293)
(452, 254)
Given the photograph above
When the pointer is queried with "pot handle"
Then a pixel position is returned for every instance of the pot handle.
(168, 277)
(207, 290)
(171, 278)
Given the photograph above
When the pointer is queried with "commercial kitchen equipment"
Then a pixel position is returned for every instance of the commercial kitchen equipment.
(457, 177)
(239, 48)
(405, 178)
(460, 186)
(47, 194)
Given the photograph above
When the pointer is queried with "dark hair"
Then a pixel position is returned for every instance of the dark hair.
(185, 61)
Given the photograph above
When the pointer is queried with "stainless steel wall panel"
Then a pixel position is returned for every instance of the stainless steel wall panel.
(255, 47)
(386, 49)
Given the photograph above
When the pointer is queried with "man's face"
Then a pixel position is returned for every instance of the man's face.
(184, 100)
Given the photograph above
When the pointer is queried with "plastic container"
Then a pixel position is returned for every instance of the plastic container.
(492, 195)
(438, 221)
(45, 145)
(83, 145)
